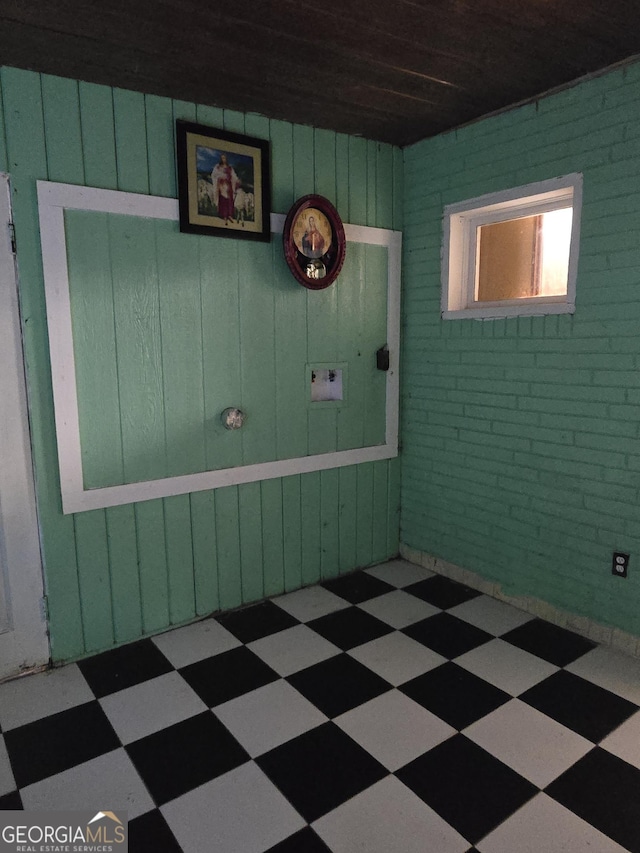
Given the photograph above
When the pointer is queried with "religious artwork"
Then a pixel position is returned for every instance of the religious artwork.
(223, 183)
(314, 242)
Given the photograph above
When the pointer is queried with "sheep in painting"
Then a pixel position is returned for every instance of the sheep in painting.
(244, 206)
(205, 197)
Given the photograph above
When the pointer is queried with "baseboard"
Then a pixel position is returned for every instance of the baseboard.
(583, 625)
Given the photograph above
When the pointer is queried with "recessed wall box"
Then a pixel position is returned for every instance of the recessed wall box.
(327, 384)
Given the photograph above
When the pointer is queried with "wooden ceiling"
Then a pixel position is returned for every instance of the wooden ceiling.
(392, 70)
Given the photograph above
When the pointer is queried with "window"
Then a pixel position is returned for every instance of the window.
(513, 253)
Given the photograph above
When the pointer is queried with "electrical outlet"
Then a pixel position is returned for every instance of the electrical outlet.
(620, 564)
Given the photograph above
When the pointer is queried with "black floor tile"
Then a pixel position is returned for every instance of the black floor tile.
(456, 696)
(338, 684)
(579, 705)
(442, 592)
(257, 621)
(320, 770)
(58, 742)
(349, 628)
(447, 635)
(184, 756)
(605, 791)
(547, 641)
(358, 587)
(149, 833)
(11, 802)
(467, 786)
(305, 841)
(228, 675)
(323, 768)
(124, 667)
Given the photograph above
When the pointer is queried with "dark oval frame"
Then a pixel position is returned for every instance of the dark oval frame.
(333, 259)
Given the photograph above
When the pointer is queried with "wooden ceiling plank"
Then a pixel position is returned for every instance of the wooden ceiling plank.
(395, 72)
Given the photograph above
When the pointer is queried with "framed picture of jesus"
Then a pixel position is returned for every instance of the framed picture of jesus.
(223, 182)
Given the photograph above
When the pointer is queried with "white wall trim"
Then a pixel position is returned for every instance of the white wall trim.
(585, 626)
(23, 631)
(53, 200)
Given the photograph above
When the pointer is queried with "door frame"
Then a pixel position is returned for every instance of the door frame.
(24, 642)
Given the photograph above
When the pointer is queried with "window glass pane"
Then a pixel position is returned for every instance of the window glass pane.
(507, 259)
(524, 257)
(555, 243)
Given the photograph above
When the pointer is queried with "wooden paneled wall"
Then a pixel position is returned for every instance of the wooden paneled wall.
(117, 574)
(169, 329)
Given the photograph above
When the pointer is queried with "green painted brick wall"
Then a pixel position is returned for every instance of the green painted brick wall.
(521, 443)
(118, 574)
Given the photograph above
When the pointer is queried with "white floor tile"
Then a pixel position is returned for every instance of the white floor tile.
(397, 658)
(388, 818)
(544, 826)
(244, 812)
(153, 705)
(192, 643)
(612, 670)
(294, 649)
(505, 666)
(625, 741)
(7, 782)
(394, 728)
(532, 744)
(398, 608)
(239, 812)
(32, 697)
(400, 573)
(269, 716)
(491, 615)
(110, 779)
(310, 603)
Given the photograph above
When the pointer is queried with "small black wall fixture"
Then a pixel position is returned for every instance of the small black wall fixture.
(382, 358)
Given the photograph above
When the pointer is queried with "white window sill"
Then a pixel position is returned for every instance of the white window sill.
(496, 312)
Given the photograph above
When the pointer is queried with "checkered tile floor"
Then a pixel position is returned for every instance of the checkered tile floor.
(388, 711)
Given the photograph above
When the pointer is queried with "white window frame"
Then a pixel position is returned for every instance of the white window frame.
(460, 250)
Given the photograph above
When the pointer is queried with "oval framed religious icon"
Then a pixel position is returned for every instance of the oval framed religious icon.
(314, 242)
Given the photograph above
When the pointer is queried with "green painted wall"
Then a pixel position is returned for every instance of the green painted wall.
(117, 574)
(521, 450)
(169, 329)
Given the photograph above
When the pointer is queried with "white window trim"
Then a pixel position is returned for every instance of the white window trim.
(53, 200)
(461, 221)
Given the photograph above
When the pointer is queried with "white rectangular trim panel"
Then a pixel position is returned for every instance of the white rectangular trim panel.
(53, 200)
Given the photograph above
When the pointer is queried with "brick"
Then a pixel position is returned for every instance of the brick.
(617, 509)
(616, 443)
(498, 400)
(626, 378)
(500, 415)
(490, 388)
(567, 452)
(551, 375)
(624, 413)
(599, 361)
(582, 424)
(563, 406)
(577, 392)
